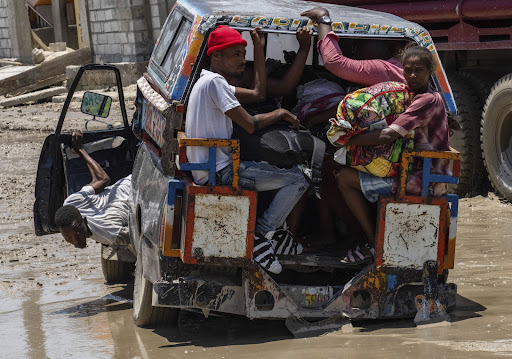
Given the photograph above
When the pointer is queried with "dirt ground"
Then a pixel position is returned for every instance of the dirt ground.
(53, 303)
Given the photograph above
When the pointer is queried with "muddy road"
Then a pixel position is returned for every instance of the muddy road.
(53, 303)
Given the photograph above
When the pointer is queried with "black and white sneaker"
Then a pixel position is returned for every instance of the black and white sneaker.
(283, 242)
(263, 254)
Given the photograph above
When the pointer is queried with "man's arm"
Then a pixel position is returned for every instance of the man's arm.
(283, 87)
(258, 93)
(252, 123)
(100, 179)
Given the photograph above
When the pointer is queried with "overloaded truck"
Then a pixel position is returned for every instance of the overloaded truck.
(473, 38)
(193, 243)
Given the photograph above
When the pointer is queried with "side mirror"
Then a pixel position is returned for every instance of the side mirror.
(96, 104)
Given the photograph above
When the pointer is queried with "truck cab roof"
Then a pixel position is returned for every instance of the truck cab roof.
(174, 62)
(292, 8)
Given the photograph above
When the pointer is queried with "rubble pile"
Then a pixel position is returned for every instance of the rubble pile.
(21, 84)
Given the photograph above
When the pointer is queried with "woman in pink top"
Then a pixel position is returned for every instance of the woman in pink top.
(427, 117)
(365, 72)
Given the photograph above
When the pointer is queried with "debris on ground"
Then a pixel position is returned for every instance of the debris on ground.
(39, 80)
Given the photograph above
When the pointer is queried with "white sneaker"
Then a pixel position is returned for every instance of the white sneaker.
(283, 242)
(263, 254)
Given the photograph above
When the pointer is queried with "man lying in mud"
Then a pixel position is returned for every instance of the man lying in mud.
(96, 211)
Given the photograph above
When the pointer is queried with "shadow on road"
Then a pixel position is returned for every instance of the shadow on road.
(222, 330)
(194, 328)
(464, 309)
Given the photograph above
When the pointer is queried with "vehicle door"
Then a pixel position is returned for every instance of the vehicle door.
(108, 139)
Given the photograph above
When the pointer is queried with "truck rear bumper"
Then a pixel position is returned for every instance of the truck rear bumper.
(260, 296)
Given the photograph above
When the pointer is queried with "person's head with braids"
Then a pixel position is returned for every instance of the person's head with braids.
(419, 64)
(72, 226)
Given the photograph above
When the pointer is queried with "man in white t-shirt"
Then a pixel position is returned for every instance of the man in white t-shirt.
(96, 211)
(212, 108)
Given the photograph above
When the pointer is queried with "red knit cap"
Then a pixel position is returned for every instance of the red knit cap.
(223, 37)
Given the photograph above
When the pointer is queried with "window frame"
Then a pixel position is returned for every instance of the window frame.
(158, 67)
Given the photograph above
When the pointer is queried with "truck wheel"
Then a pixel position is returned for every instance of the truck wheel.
(115, 271)
(496, 135)
(481, 81)
(144, 313)
(465, 140)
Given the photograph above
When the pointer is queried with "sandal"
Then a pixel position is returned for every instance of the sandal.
(355, 256)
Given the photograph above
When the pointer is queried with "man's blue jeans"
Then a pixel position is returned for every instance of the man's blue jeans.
(261, 176)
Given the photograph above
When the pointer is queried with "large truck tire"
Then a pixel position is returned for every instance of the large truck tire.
(115, 271)
(144, 313)
(481, 81)
(466, 140)
(496, 136)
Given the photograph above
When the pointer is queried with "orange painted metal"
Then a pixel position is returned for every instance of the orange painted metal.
(446, 246)
(168, 231)
(449, 259)
(381, 224)
(408, 155)
(182, 150)
(201, 142)
(186, 251)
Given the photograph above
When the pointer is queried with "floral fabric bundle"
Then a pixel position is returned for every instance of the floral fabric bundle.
(369, 109)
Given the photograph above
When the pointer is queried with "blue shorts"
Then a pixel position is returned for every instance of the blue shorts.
(373, 187)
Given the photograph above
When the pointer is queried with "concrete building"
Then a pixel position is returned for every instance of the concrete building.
(115, 30)
(15, 40)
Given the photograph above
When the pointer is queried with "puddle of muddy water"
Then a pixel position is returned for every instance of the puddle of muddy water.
(87, 319)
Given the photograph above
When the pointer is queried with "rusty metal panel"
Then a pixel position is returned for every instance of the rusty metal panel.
(310, 296)
(200, 294)
(220, 225)
(411, 234)
(257, 280)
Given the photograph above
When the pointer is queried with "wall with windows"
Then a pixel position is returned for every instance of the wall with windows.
(5, 41)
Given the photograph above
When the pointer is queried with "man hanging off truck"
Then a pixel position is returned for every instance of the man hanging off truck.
(96, 211)
(213, 107)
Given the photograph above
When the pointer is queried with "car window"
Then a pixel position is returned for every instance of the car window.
(169, 32)
(78, 116)
(178, 42)
(168, 51)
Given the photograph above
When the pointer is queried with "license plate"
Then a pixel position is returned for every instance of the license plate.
(316, 296)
